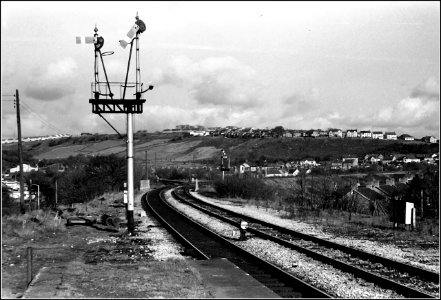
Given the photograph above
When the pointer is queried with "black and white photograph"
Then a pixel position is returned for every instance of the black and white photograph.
(220, 149)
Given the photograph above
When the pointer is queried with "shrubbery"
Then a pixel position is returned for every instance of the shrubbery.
(246, 188)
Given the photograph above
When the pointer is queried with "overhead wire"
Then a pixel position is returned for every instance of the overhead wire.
(29, 109)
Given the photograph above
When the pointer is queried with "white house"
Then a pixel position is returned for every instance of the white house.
(410, 158)
(244, 168)
(365, 134)
(429, 139)
(377, 135)
(406, 137)
(335, 133)
(26, 169)
(308, 162)
(352, 133)
(390, 135)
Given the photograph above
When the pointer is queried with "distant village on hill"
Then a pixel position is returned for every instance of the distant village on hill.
(36, 138)
(279, 131)
(253, 132)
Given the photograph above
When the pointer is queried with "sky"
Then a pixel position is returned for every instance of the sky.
(301, 65)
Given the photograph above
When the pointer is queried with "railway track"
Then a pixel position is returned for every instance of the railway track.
(203, 243)
(405, 279)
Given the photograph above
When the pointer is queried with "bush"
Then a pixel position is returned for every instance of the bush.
(246, 188)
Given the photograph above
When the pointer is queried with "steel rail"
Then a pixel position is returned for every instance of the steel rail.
(399, 266)
(243, 257)
(190, 249)
(377, 279)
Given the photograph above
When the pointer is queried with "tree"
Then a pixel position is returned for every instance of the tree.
(413, 193)
(106, 171)
(72, 186)
(278, 131)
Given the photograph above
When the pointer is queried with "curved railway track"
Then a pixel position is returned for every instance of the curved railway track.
(379, 270)
(202, 243)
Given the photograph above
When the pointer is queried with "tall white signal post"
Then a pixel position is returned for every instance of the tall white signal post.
(104, 101)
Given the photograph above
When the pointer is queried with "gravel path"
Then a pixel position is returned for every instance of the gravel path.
(334, 282)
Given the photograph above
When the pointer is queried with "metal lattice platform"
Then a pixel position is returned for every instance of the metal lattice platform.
(103, 102)
(126, 106)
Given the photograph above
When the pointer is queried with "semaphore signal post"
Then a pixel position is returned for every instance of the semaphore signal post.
(104, 100)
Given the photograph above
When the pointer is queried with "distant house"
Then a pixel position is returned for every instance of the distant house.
(311, 133)
(427, 158)
(297, 133)
(366, 134)
(402, 178)
(410, 158)
(391, 135)
(398, 157)
(429, 139)
(406, 137)
(26, 169)
(387, 159)
(350, 156)
(57, 167)
(349, 162)
(288, 133)
(335, 133)
(244, 168)
(352, 133)
(373, 158)
(323, 133)
(336, 165)
(273, 172)
(377, 135)
(293, 172)
(308, 162)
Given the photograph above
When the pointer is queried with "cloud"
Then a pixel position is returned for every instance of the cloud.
(214, 81)
(53, 83)
(429, 90)
(301, 105)
(418, 113)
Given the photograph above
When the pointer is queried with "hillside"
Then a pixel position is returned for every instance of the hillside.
(166, 149)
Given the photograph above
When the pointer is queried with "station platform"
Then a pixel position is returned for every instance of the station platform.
(229, 281)
(220, 276)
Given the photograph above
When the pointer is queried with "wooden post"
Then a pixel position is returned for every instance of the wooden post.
(29, 266)
(146, 167)
(20, 156)
(56, 193)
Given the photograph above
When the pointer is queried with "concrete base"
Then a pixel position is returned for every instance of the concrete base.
(229, 281)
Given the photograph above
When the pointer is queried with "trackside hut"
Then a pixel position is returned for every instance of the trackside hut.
(370, 202)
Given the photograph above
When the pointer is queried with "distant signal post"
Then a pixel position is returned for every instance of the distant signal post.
(222, 167)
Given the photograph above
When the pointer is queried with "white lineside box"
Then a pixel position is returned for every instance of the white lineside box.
(409, 218)
(403, 213)
(145, 185)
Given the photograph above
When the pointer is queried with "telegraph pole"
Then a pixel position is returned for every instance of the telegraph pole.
(146, 167)
(56, 193)
(20, 156)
